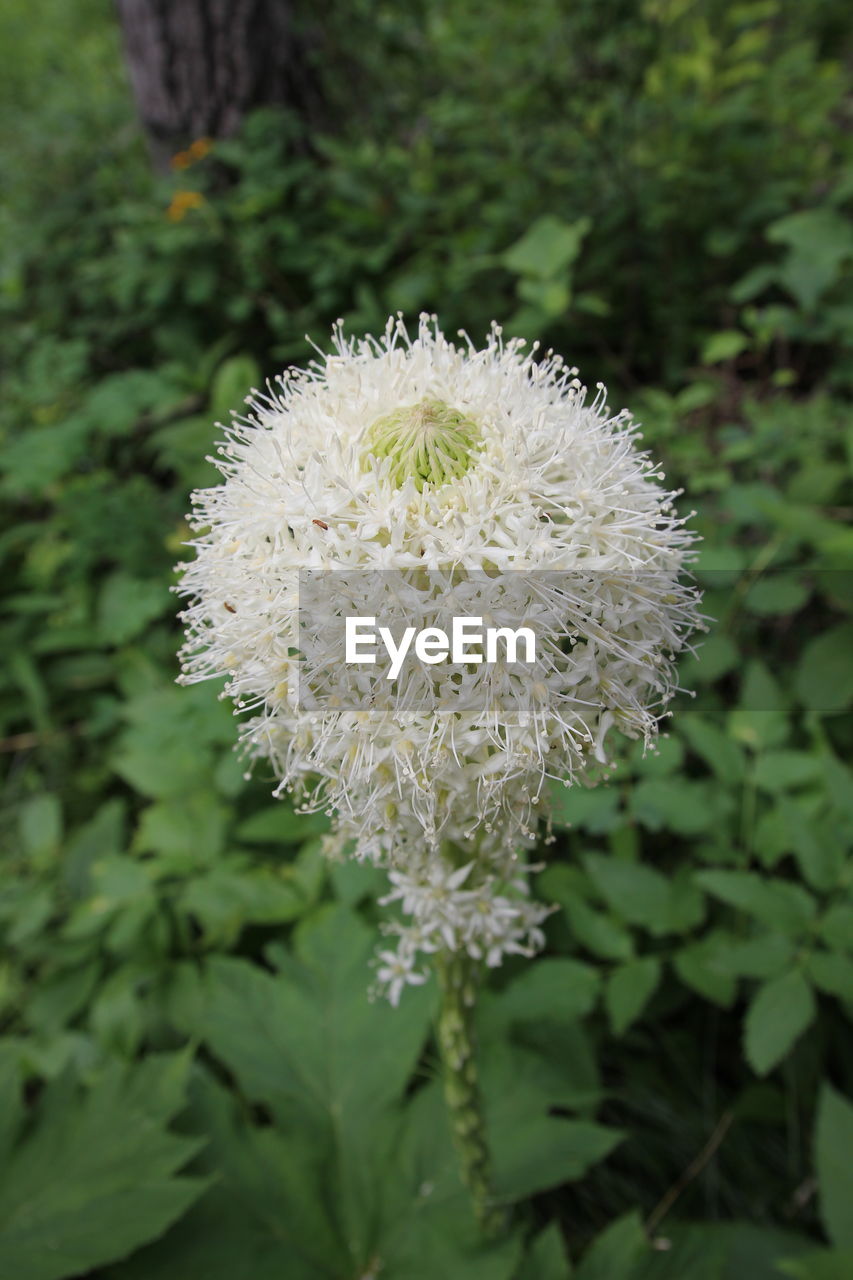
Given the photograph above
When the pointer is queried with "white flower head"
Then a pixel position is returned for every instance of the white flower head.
(490, 475)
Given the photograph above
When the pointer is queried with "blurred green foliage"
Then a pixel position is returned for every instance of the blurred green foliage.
(662, 192)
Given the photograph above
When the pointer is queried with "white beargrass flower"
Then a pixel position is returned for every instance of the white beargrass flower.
(456, 467)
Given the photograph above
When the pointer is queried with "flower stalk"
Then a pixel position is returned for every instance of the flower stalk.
(457, 975)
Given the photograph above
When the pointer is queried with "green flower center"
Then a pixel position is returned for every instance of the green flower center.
(430, 442)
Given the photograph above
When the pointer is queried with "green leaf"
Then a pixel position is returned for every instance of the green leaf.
(783, 770)
(818, 241)
(776, 594)
(697, 967)
(534, 1151)
(102, 834)
(116, 1015)
(553, 988)
(832, 973)
(792, 826)
(346, 1174)
(292, 1039)
(228, 897)
(40, 825)
(96, 1176)
(823, 1264)
(428, 1228)
(720, 752)
(765, 956)
(776, 1018)
(833, 1144)
(599, 934)
(715, 656)
(530, 1065)
(127, 605)
(678, 804)
(546, 1257)
(724, 345)
(232, 383)
(836, 927)
(551, 297)
(193, 825)
(279, 824)
(776, 903)
(592, 929)
(824, 679)
(266, 1213)
(547, 247)
(638, 893)
(618, 1252)
(721, 1251)
(629, 989)
(594, 809)
(167, 749)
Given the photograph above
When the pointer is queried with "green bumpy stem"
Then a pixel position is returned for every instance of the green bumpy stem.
(458, 979)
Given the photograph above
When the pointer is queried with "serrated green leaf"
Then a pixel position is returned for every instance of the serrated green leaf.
(552, 989)
(776, 1018)
(193, 825)
(127, 605)
(765, 956)
(776, 903)
(96, 1177)
(696, 967)
(594, 930)
(833, 1144)
(629, 989)
(273, 1031)
(824, 679)
(265, 1214)
(638, 893)
(678, 804)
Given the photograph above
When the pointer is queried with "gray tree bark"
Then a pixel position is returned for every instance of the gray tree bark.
(197, 66)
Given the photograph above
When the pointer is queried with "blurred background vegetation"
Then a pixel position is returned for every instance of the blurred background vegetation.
(661, 190)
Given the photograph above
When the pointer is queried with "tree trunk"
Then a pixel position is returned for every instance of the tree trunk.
(197, 66)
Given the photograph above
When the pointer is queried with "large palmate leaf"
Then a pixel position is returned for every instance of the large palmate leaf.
(353, 1170)
(96, 1174)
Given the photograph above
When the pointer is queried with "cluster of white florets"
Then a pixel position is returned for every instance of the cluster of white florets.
(419, 456)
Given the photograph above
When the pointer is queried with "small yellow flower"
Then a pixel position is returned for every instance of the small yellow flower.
(195, 151)
(182, 201)
(199, 149)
